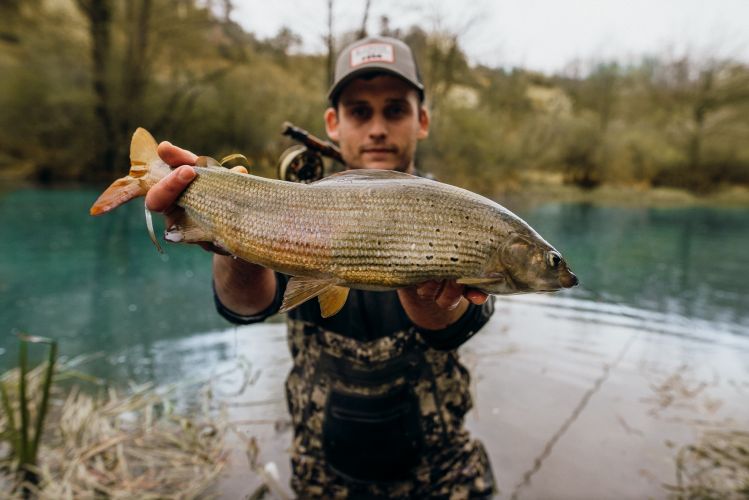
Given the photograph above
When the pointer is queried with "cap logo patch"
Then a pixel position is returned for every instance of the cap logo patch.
(372, 52)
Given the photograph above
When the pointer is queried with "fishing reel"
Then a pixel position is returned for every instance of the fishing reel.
(300, 164)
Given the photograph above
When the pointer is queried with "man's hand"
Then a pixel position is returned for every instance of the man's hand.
(242, 287)
(437, 304)
(162, 196)
(447, 294)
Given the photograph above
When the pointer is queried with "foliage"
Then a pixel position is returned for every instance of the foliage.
(80, 75)
(23, 443)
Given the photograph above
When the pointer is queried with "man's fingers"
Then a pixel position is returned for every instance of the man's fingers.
(175, 156)
(475, 296)
(450, 295)
(447, 294)
(167, 190)
(429, 290)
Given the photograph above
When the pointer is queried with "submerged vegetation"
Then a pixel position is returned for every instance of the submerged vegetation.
(79, 75)
(715, 467)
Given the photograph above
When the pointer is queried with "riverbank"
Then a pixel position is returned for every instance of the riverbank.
(535, 188)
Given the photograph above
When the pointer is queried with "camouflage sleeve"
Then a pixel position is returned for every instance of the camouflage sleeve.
(269, 311)
(466, 327)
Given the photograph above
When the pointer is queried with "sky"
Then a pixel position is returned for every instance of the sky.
(544, 35)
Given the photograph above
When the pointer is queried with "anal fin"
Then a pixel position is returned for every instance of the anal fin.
(300, 289)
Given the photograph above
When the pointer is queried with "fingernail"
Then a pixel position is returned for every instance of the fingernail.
(185, 174)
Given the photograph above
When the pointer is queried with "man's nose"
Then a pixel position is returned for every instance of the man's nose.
(378, 128)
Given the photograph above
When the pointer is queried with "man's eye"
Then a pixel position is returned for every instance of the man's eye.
(395, 111)
(359, 112)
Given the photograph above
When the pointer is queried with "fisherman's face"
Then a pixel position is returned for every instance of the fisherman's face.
(378, 123)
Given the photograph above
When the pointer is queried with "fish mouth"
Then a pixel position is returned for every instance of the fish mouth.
(569, 280)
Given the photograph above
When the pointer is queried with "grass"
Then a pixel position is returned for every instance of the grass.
(24, 449)
(58, 443)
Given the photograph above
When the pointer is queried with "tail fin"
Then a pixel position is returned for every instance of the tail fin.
(146, 168)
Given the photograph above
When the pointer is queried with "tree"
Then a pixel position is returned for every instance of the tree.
(99, 13)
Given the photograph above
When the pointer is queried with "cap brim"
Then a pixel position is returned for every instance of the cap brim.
(369, 69)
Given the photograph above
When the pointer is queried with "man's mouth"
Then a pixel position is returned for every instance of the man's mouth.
(378, 150)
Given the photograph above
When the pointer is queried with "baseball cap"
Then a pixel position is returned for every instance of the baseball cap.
(375, 54)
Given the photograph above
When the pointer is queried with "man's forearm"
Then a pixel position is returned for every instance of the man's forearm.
(243, 288)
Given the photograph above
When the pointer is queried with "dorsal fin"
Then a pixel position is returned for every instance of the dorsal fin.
(364, 175)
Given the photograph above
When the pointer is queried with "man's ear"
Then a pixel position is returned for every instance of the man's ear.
(331, 123)
(423, 123)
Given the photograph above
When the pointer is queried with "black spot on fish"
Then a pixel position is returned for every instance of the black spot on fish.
(430, 257)
(431, 244)
(455, 245)
(454, 259)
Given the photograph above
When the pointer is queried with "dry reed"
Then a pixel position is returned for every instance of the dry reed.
(715, 467)
(113, 445)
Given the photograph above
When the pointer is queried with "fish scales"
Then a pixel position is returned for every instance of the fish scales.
(368, 232)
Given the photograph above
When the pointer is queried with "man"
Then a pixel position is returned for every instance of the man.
(377, 394)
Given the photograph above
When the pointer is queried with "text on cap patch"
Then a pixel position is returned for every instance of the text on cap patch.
(372, 52)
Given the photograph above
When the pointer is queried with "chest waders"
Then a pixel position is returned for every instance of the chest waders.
(378, 417)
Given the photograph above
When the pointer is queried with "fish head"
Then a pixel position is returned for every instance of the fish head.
(526, 264)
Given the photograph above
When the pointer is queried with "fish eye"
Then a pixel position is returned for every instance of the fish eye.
(554, 259)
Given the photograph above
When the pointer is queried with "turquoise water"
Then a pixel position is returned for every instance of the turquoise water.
(98, 284)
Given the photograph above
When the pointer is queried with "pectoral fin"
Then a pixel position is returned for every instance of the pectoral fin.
(184, 229)
(300, 289)
(332, 300)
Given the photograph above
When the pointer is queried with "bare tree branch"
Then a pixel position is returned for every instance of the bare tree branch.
(363, 30)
